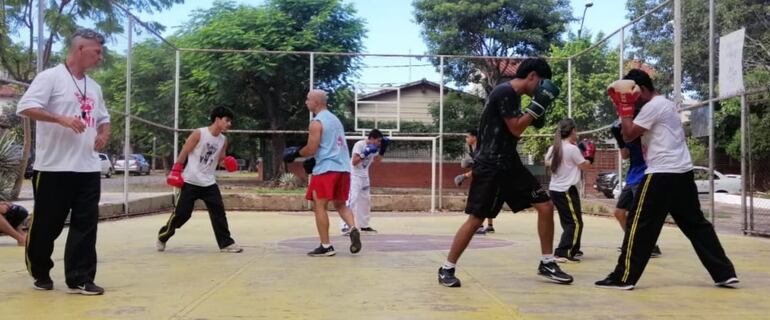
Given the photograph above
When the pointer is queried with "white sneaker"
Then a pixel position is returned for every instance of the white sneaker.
(233, 248)
(160, 245)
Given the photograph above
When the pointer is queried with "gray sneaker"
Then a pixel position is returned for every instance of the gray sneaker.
(160, 245)
(233, 248)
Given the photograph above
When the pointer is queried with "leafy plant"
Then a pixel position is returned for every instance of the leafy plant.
(10, 156)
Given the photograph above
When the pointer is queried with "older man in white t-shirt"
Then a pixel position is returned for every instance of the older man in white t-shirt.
(668, 186)
(72, 123)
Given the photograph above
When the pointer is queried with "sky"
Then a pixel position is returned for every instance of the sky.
(391, 29)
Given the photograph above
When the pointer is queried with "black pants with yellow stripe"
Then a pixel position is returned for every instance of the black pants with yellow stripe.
(184, 208)
(661, 194)
(571, 218)
(58, 194)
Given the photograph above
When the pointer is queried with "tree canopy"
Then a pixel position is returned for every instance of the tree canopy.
(501, 28)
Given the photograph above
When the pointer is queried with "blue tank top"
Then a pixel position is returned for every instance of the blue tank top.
(637, 167)
(332, 154)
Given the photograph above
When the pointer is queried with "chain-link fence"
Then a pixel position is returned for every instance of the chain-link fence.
(442, 96)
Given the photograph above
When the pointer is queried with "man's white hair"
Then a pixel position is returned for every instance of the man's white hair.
(319, 94)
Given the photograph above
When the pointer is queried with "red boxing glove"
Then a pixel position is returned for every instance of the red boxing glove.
(623, 94)
(230, 163)
(175, 178)
(590, 151)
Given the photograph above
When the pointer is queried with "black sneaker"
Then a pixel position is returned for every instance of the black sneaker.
(355, 241)
(552, 271)
(611, 283)
(43, 284)
(369, 230)
(322, 252)
(88, 288)
(655, 252)
(490, 229)
(446, 277)
(579, 254)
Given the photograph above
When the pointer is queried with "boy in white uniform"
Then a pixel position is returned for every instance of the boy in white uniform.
(365, 152)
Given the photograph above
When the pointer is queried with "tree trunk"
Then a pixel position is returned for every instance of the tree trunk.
(277, 118)
(27, 124)
(278, 143)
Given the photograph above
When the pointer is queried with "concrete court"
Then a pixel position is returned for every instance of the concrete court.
(393, 278)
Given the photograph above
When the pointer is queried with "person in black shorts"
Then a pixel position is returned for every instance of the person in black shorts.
(471, 139)
(498, 173)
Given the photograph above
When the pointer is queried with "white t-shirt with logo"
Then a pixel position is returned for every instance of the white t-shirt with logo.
(664, 140)
(568, 173)
(59, 148)
(202, 161)
(362, 168)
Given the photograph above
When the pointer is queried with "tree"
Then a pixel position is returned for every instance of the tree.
(652, 42)
(152, 96)
(501, 28)
(61, 18)
(461, 113)
(269, 90)
(591, 109)
(652, 37)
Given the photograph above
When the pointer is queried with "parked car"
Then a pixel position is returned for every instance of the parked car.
(723, 183)
(137, 164)
(606, 182)
(107, 168)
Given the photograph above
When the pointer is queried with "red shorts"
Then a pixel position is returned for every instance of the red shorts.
(331, 185)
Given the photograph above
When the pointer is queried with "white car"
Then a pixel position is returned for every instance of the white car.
(723, 183)
(730, 183)
(107, 169)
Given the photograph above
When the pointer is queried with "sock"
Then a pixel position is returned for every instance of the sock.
(547, 258)
(448, 265)
(326, 245)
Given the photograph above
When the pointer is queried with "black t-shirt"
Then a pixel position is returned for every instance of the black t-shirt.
(496, 145)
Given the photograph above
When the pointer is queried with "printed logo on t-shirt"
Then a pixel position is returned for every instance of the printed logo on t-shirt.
(207, 156)
(86, 109)
(338, 144)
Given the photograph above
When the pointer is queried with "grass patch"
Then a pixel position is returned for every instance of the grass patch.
(277, 191)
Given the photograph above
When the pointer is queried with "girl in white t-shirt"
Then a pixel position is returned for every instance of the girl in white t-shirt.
(566, 160)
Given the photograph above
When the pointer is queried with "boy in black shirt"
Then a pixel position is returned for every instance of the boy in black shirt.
(499, 175)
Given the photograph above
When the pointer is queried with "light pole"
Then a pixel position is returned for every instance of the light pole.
(152, 167)
(589, 4)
